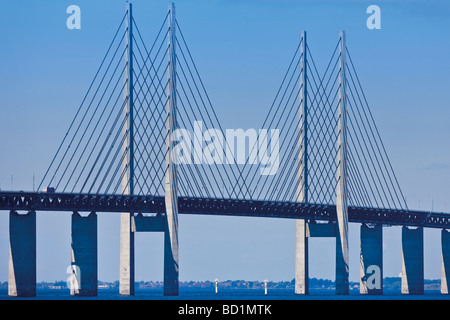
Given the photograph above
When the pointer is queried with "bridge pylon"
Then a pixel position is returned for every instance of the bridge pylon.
(301, 249)
(127, 263)
(342, 259)
(171, 194)
(129, 222)
(303, 229)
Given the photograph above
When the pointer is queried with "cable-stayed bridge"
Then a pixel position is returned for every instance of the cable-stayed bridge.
(147, 140)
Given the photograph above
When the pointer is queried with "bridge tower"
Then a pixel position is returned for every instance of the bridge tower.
(171, 194)
(126, 278)
(304, 230)
(342, 268)
(129, 222)
(301, 250)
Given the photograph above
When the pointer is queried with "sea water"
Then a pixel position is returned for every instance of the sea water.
(226, 294)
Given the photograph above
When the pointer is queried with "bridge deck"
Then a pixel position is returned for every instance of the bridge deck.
(38, 201)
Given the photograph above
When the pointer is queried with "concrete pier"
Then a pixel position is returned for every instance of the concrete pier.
(412, 261)
(371, 260)
(171, 286)
(126, 277)
(22, 254)
(445, 261)
(84, 254)
(301, 258)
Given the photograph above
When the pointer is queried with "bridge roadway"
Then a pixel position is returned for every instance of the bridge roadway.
(38, 201)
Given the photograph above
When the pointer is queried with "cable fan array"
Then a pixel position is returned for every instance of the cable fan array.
(92, 157)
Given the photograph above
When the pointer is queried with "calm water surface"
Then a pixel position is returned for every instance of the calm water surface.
(225, 294)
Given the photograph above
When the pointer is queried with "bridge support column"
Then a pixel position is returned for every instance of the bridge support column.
(22, 254)
(445, 261)
(301, 258)
(126, 277)
(84, 255)
(171, 194)
(412, 261)
(371, 259)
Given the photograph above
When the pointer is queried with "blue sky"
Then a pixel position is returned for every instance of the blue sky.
(242, 49)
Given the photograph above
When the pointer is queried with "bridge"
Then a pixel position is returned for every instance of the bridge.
(318, 158)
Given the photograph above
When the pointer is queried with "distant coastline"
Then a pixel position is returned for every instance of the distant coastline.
(389, 284)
